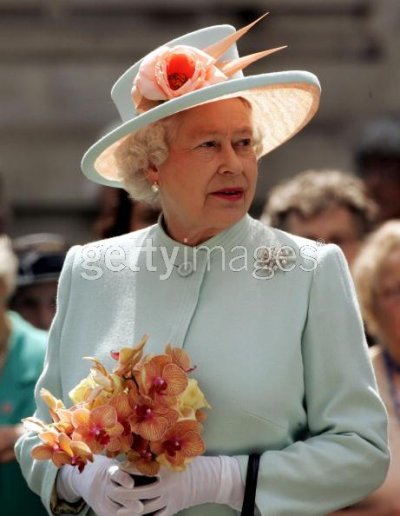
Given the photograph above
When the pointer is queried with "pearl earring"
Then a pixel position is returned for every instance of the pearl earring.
(155, 188)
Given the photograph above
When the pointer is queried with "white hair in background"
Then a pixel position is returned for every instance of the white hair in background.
(8, 264)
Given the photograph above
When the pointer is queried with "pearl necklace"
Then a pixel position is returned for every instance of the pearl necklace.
(391, 368)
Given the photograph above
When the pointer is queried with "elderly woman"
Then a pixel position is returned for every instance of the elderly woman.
(377, 276)
(277, 337)
(22, 349)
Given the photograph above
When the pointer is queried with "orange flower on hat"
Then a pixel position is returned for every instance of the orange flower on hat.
(167, 72)
(181, 443)
(61, 449)
(96, 427)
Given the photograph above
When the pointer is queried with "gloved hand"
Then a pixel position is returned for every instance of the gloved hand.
(206, 480)
(102, 484)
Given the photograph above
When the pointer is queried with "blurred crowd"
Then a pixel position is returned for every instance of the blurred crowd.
(359, 211)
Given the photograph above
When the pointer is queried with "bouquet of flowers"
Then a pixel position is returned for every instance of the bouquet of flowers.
(147, 409)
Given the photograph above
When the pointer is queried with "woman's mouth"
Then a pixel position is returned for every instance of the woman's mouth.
(229, 194)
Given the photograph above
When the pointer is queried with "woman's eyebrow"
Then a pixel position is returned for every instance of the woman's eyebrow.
(201, 133)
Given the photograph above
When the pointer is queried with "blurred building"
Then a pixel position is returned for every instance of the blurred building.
(59, 59)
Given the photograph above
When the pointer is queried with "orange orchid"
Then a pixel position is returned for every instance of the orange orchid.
(53, 403)
(97, 388)
(160, 378)
(60, 415)
(146, 408)
(64, 423)
(180, 358)
(142, 457)
(96, 427)
(100, 374)
(180, 443)
(128, 358)
(150, 419)
(121, 443)
(61, 449)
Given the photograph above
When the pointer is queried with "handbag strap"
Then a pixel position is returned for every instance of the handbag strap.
(249, 500)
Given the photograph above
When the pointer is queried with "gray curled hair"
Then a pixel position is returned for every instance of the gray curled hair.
(150, 145)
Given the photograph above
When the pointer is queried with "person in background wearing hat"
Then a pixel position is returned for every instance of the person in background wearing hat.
(377, 158)
(323, 205)
(22, 349)
(279, 351)
(41, 257)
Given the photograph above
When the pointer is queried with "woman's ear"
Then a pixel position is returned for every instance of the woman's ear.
(152, 174)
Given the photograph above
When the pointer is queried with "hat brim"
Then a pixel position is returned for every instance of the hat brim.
(285, 103)
(28, 281)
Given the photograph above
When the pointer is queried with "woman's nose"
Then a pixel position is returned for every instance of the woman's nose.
(230, 161)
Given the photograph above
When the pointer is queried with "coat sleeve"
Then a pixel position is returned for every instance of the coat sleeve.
(345, 455)
(41, 475)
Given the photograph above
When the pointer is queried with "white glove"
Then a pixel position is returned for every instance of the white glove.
(102, 484)
(206, 480)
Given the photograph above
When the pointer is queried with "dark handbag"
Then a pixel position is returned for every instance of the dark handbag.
(249, 501)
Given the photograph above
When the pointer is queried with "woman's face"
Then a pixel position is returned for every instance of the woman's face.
(208, 181)
(387, 308)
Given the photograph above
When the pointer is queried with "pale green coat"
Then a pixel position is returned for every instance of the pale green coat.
(282, 361)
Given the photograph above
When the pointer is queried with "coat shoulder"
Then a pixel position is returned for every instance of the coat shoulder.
(92, 259)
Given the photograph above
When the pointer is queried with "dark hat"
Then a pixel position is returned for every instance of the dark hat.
(36, 267)
(40, 258)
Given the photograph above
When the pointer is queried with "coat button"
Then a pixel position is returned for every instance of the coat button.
(185, 269)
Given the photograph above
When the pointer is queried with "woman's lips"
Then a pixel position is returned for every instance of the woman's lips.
(229, 194)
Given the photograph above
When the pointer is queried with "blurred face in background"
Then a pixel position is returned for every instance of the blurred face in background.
(387, 307)
(37, 303)
(335, 225)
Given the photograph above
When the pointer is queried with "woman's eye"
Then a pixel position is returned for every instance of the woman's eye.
(208, 144)
(245, 142)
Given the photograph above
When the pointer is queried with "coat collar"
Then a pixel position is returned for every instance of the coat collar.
(234, 235)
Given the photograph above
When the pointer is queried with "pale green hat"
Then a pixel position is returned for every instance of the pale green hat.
(285, 101)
